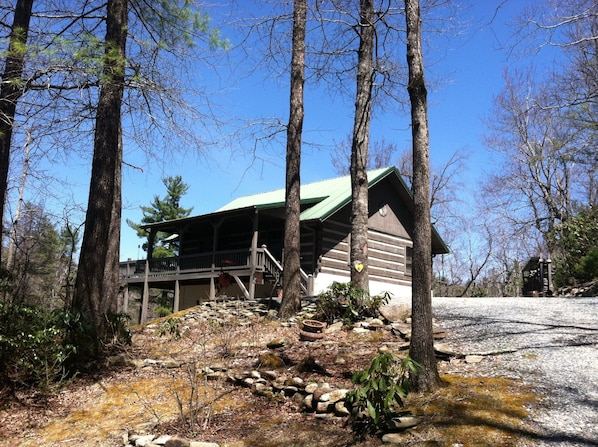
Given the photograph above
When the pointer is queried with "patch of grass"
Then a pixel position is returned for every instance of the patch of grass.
(485, 411)
(122, 406)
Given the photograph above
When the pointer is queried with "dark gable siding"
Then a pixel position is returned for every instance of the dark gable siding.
(388, 238)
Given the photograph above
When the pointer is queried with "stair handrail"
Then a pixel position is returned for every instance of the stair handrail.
(269, 256)
(272, 259)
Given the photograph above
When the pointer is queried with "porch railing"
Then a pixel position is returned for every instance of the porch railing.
(226, 261)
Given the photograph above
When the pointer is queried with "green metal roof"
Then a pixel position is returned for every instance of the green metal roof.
(328, 196)
(320, 200)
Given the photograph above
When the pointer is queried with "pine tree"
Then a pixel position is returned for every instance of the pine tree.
(161, 209)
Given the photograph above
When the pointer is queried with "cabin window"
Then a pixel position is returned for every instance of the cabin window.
(408, 260)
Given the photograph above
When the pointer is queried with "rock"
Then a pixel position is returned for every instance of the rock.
(162, 363)
(308, 402)
(402, 329)
(298, 400)
(360, 330)
(334, 396)
(323, 388)
(278, 343)
(298, 382)
(162, 440)
(473, 358)
(290, 390)
(310, 388)
(376, 323)
(322, 407)
(203, 444)
(404, 422)
(142, 441)
(443, 350)
(335, 327)
(393, 438)
(340, 409)
(216, 375)
(262, 390)
(395, 313)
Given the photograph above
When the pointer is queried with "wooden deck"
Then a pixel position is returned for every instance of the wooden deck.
(202, 266)
(241, 265)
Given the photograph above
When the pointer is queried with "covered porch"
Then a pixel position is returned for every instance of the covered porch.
(242, 248)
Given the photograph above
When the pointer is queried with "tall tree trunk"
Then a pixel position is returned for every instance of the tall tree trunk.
(291, 298)
(422, 336)
(11, 90)
(12, 243)
(359, 148)
(96, 286)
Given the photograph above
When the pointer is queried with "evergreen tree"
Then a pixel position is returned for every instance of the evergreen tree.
(36, 258)
(167, 208)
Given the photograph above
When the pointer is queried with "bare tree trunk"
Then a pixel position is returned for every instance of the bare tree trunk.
(291, 298)
(96, 286)
(422, 336)
(11, 90)
(13, 233)
(359, 148)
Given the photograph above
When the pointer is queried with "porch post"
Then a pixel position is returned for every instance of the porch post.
(151, 240)
(253, 258)
(145, 299)
(215, 235)
(125, 308)
(175, 307)
(549, 269)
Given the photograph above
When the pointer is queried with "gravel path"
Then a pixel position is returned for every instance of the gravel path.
(555, 343)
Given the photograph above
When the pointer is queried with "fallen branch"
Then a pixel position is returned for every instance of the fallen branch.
(487, 353)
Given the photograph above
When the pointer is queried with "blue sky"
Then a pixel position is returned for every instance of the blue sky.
(470, 67)
(471, 70)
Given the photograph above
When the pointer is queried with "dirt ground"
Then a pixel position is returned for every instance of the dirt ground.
(157, 387)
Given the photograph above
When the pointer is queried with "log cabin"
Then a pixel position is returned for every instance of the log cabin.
(237, 250)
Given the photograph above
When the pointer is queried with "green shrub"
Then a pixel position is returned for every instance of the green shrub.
(162, 311)
(575, 248)
(118, 332)
(172, 328)
(586, 268)
(33, 346)
(348, 303)
(379, 394)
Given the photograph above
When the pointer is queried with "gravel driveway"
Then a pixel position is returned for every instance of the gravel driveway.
(554, 347)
